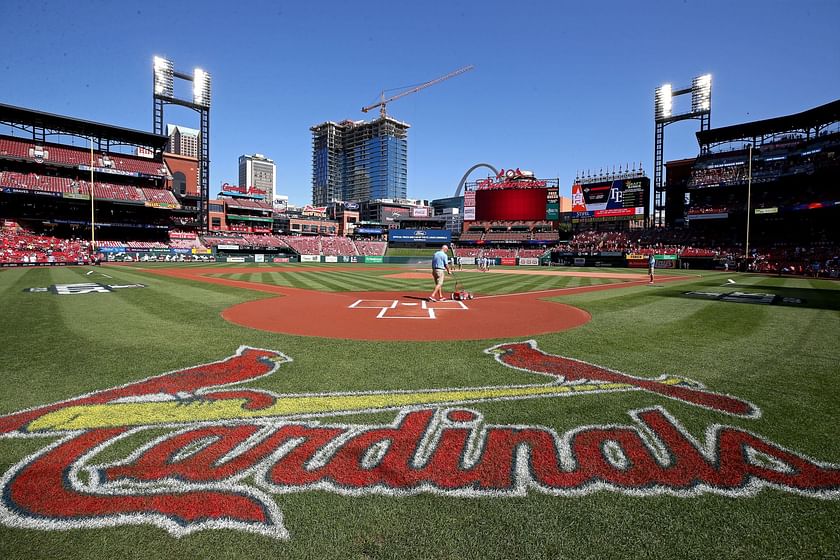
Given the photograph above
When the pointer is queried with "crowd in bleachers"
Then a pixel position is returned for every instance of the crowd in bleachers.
(645, 242)
(819, 258)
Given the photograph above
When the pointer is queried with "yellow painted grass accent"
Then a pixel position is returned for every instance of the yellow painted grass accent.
(142, 414)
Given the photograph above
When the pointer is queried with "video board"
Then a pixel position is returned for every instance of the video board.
(622, 199)
(510, 204)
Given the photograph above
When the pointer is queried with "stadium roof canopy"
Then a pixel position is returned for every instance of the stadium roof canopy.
(812, 119)
(47, 123)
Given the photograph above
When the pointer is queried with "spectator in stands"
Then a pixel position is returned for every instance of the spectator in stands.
(440, 266)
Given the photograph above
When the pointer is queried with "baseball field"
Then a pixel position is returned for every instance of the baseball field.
(330, 411)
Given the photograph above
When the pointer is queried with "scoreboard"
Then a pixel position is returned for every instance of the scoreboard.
(622, 199)
(511, 201)
(510, 204)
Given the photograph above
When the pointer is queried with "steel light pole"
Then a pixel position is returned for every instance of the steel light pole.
(92, 219)
(749, 192)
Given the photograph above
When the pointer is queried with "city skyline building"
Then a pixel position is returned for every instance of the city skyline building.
(183, 141)
(258, 175)
(356, 161)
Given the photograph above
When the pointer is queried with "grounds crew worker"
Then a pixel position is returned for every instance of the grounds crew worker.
(440, 263)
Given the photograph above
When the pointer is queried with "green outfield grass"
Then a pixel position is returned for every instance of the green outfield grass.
(783, 358)
(410, 252)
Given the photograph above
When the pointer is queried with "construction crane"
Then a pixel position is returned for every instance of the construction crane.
(382, 101)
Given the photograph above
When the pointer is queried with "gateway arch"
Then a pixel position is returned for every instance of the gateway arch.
(470, 170)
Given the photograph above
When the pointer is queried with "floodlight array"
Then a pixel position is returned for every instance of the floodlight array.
(701, 93)
(201, 88)
(663, 102)
(164, 82)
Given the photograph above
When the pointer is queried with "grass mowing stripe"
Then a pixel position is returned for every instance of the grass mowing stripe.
(494, 285)
(352, 281)
(307, 281)
(358, 282)
(333, 282)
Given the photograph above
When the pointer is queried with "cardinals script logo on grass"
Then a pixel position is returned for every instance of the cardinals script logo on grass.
(225, 452)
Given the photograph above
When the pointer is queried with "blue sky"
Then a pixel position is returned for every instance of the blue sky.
(558, 86)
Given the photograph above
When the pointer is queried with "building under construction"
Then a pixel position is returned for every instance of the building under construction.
(356, 161)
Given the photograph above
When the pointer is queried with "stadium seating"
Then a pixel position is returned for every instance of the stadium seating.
(13, 148)
(214, 241)
(145, 245)
(264, 241)
(370, 248)
(130, 164)
(248, 204)
(159, 195)
(335, 246)
(18, 245)
(116, 192)
(303, 245)
(74, 157)
(31, 181)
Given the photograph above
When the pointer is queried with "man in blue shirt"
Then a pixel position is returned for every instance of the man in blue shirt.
(440, 264)
(651, 267)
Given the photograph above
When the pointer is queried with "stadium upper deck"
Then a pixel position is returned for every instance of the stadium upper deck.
(780, 172)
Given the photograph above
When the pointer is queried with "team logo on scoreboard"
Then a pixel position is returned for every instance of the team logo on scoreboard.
(225, 451)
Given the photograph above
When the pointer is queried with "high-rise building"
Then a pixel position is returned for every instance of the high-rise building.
(183, 141)
(258, 174)
(356, 161)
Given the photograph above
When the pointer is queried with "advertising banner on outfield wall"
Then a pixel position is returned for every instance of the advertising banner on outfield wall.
(579, 261)
(331, 259)
(310, 258)
(508, 261)
(236, 259)
(467, 260)
(419, 235)
(259, 258)
(350, 259)
(376, 259)
(529, 261)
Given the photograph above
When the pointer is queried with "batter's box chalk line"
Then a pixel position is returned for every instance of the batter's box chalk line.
(395, 309)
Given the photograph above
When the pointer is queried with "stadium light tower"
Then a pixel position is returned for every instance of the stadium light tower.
(663, 110)
(163, 93)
